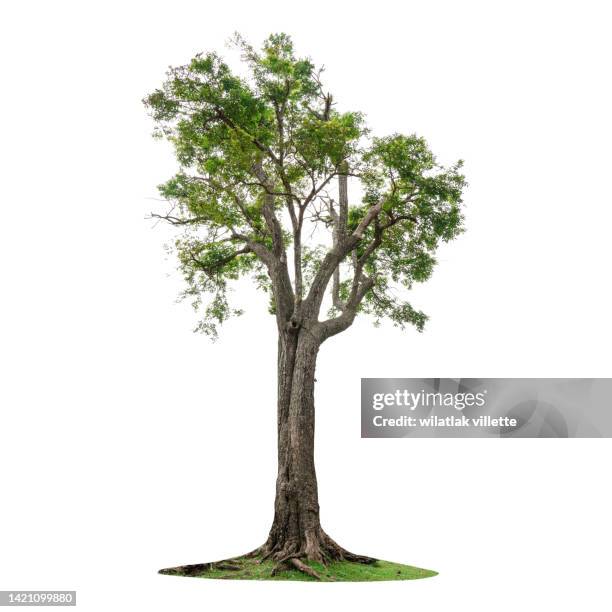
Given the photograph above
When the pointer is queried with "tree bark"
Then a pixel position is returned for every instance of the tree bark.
(296, 530)
(296, 508)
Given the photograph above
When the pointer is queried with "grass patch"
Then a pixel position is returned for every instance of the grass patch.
(243, 568)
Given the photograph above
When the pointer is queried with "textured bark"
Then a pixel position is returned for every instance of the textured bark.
(296, 530)
(296, 508)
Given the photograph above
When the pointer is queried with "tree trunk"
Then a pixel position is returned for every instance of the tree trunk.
(296, 530)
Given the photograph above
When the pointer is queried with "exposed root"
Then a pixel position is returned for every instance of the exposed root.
(344, 555)
(254, 553)
(316, 546)
(304, 568)
(359, 558)
(197, 569)
(287, 553)
(187, 570)
(225, 565)
(278, 553)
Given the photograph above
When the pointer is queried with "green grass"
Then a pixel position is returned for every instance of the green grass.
(242, 568)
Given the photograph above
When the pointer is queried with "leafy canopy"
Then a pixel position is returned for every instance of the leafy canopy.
(262, 190)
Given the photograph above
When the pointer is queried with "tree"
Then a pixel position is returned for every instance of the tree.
(262, 190)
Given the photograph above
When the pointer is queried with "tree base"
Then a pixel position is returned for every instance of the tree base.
(254, 567)
(317, 547)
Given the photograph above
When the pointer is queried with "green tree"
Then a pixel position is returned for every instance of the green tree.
(262, 190)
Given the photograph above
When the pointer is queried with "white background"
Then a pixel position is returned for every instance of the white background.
(129, 443)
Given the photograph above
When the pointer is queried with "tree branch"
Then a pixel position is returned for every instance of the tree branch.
(332, 260)
(325, 329)
(211, 269)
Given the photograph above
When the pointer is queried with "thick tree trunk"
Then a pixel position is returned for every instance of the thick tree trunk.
(296, 530)
(296, 510)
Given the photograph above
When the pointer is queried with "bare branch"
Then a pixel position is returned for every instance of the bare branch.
(335, 325)
(372, 213)
(343, 199)
(177, 220)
